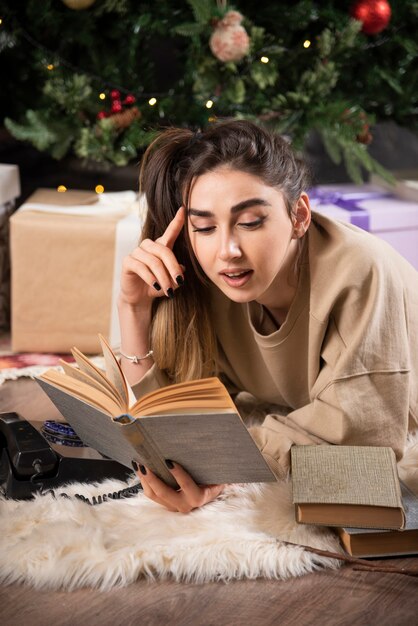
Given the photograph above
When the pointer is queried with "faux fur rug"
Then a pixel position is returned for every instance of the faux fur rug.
(66, 544)
(58, 543)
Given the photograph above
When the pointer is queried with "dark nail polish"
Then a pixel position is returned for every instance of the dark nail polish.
(180, 281)
(169, 463)
(142, 470)
(156, 286)
(135, 465)
(170, 293)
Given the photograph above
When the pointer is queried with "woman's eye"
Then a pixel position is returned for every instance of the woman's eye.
(253, 224)
(207, 229)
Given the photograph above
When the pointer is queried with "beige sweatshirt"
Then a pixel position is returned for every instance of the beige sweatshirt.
(343, 367)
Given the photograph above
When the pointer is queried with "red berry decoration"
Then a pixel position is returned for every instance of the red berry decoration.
(101, 115)
(130, 99)
(116, 106)
(115, 94)
(374, 14)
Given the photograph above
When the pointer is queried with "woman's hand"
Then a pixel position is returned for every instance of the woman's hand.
(190, 496)
(152, 270)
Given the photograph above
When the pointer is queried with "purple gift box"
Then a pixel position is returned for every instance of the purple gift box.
(374, 209)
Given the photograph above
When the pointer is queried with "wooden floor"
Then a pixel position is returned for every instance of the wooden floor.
(343, 597)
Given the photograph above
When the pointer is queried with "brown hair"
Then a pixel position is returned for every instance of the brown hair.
(182, 336)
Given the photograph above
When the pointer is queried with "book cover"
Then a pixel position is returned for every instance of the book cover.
(195, 424)
(355, 486)
(366, 542)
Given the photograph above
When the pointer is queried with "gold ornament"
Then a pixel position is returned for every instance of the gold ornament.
(78, 5)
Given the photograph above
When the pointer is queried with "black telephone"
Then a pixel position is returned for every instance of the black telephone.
(28, 464)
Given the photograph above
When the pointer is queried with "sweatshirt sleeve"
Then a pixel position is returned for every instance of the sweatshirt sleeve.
(362, 392)
(152, 380)
(370, 409)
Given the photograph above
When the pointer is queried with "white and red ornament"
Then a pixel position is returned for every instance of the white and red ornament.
(230, 41)
(374, 14)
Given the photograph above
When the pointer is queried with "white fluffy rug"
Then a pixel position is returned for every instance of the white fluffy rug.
(66, 544)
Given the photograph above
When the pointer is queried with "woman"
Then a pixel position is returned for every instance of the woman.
(234, 277)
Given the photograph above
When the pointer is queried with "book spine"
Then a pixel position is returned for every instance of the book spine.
(148, 452)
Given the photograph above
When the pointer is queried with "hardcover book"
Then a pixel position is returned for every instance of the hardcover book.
(356, 486)
(194, 423)
(366, 542)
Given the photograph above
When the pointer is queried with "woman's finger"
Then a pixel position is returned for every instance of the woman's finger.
(173, 230)
(193, 495)
(159, 253)
(149, 493)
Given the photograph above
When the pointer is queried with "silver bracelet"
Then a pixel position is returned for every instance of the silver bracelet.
(136, 359)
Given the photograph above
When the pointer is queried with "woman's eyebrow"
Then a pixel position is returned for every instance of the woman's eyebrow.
(236, 208)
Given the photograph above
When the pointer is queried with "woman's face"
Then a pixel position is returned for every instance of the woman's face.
(242, 235)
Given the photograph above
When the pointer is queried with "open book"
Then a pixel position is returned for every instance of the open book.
(194, 423)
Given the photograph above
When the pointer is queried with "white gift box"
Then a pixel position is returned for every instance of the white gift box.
(9, 192)
(376, 210)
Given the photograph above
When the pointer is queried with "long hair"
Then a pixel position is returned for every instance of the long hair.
(182, 336)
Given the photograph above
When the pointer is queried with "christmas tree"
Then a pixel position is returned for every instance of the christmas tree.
(97, 78)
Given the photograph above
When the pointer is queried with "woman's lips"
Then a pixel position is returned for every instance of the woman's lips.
(237, 278)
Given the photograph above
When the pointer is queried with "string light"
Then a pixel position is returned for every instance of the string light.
(264, 59)
(209, 104)
(102, 96)
(1, 21)
(99, 189)
(61, 188)
(50, 67)
(306, 43)
(152, 101)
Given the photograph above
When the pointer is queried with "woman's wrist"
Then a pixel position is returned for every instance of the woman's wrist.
(138, 309)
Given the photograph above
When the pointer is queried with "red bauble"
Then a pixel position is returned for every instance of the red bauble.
(375, 15)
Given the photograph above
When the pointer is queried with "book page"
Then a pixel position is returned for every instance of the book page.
(102, 399)
(78, 374)
(202, 393)
(115, 374)
(95, 372)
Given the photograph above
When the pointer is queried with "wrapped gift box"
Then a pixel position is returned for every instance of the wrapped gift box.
(374, 209)
(9, 192)
(66, 255)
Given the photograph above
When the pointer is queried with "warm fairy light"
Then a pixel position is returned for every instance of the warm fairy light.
(152, 101)
(50, 67)
(306, 43)
(61, 188)
(209, 104)
(1, 21)
(264, 59)
(212, 118)
(102, 96)
(99, 189)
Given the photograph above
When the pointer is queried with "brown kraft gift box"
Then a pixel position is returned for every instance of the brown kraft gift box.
(62, 274)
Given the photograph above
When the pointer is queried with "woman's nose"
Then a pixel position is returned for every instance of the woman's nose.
(229, 248)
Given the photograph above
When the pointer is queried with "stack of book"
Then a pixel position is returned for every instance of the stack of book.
(356, 489)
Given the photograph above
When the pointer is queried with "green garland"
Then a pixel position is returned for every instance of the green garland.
(296, 91)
